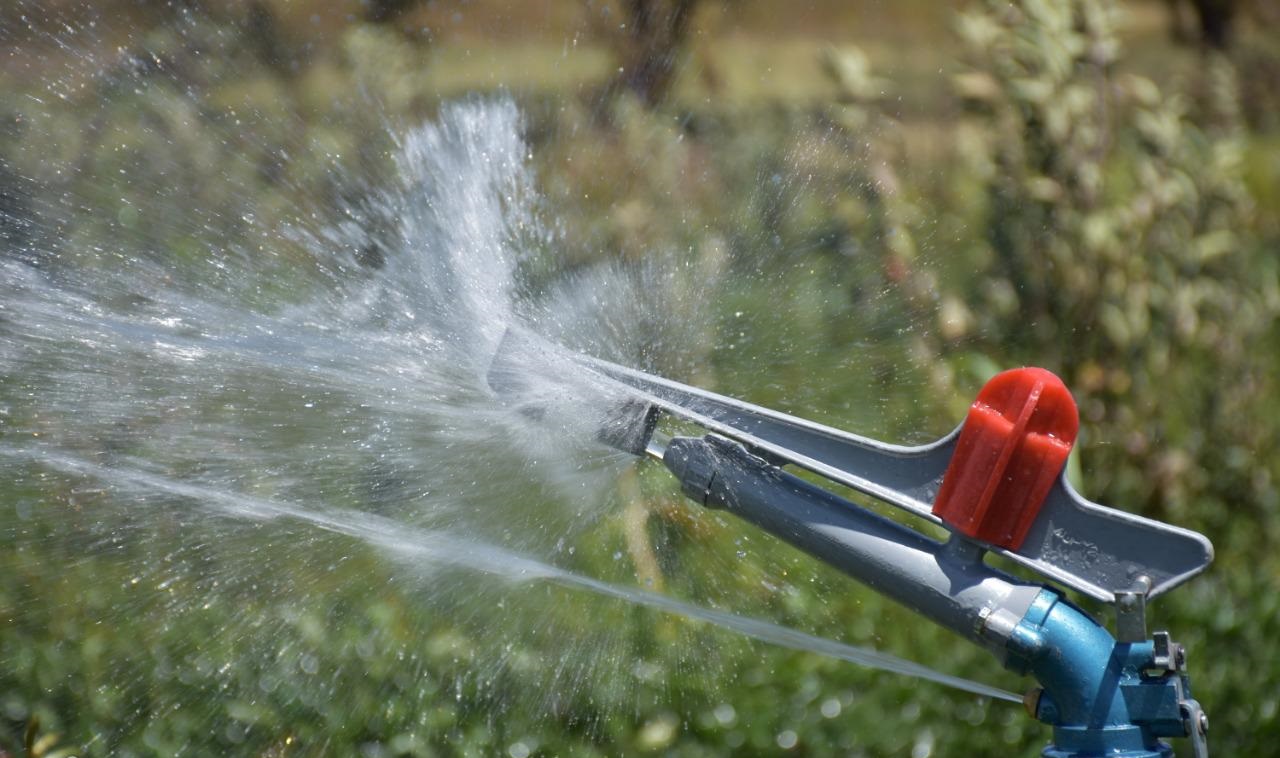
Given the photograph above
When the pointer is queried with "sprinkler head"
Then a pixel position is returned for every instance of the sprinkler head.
(629, 426)
(537, 378)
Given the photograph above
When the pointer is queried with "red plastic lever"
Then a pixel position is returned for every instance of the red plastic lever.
(1012, 448)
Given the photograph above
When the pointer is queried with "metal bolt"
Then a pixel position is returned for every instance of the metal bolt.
(1204, 723)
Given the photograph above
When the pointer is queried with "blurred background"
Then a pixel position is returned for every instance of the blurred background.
(877, 205)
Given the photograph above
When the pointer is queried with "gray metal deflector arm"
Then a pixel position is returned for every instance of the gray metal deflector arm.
(1098, 551)
(947, 583)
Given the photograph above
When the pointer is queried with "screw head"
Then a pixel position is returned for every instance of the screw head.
(1203, 722)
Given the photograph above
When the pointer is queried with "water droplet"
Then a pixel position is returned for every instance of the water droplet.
(725, 714)
(923, 747)
(309, 664)
(787, 739)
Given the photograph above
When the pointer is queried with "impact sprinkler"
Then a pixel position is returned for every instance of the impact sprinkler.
(996, 484)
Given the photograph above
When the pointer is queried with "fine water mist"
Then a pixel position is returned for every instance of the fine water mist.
(369, 383)
(418, 550)
(250, 423)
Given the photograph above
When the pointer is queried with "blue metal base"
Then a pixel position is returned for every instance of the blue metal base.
(1102, 697)
(1106, 742)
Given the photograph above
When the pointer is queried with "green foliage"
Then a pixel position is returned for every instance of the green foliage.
(1123, 249)
(1121, 229)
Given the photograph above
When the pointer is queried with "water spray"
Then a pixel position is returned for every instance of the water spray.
(996, 485)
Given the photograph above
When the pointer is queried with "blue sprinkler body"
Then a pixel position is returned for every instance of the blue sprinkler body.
(1103, 695)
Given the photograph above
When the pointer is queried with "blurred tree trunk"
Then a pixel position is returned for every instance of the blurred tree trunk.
(171, 6)
(1181, 24)
(15, 216)
(262, 33)
(1216, 17)
(382, 11)
(1212, 24)
(654, 34)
